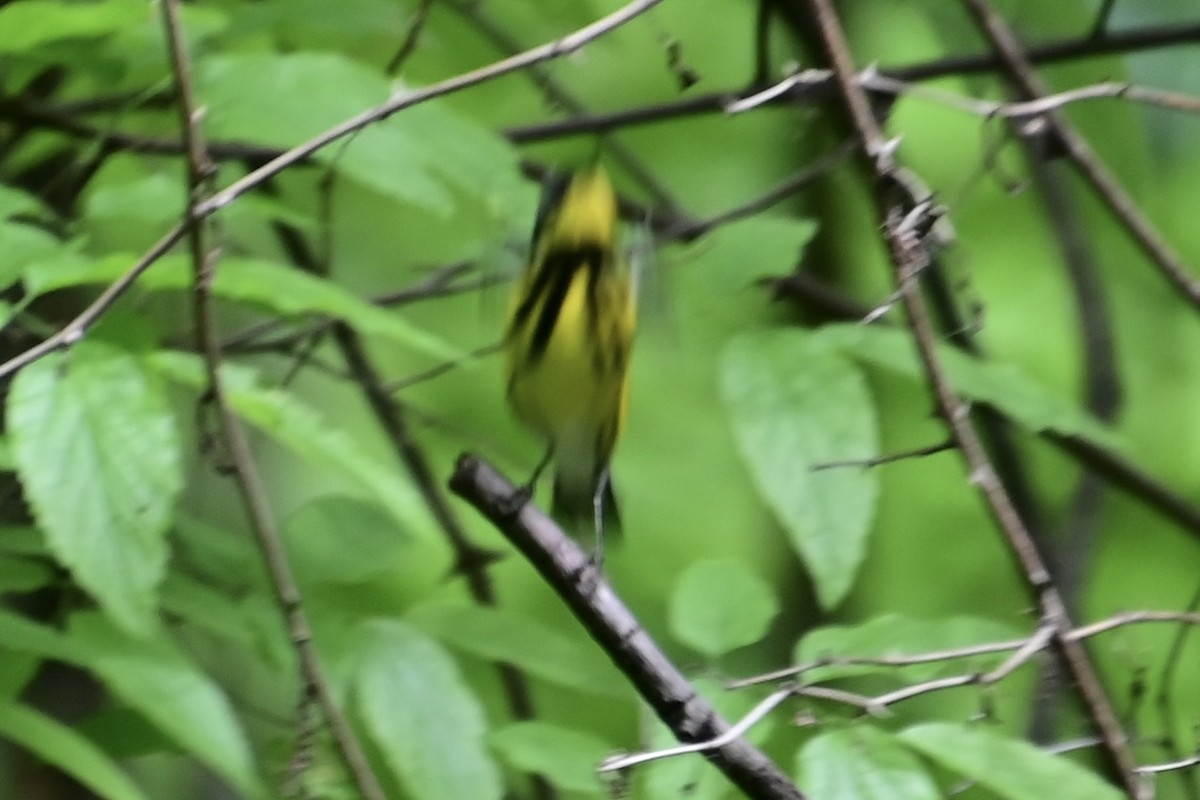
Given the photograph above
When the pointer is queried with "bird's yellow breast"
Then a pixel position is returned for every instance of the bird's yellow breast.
(571, 387)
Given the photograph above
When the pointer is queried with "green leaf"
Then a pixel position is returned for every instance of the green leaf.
(567, 758)
(23, 245)
(157, 680)
(894, 635)
(33, 23)
(19, 574)
(99, 457)
(66, 749)
(151, 199)
(17, 671)
(338, 539)
(14, 201)
(126, 734)
(208, 609)
(506, 636)
(1010, 768)
(285, 418)
(217, 556)
(721, 605)
(1001, 385)
(421, 715)
(284, 290)
(23, 635)
(862, 763)
(22, 540)
(718, 285)
(795, 404)
(415, 156)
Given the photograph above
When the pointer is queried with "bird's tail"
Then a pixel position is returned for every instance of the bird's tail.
(574, 507)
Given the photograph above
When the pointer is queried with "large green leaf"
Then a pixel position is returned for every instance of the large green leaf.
(415, 156)
(1001, 385)
(796, 403)
(287, 419)
(502, 635)
(862, 763)
(98, 453)
(894, 635)
(1011, 769)
(566, 757)
(284, 290)
(152, 676)
(715, 622)
(74, 754)
(33, 23)
(421, 715)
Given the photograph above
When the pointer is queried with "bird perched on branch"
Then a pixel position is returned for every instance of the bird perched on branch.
(570, 330)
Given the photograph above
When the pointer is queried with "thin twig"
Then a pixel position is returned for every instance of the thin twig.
(442, 282)
(909, 254)
(1100, 26)
(686, 230)
(437, 370)
(411, 38)
(249, 482)
(1168, 711)
(1028, 109)
(576, 579)
(1183, 763)
(743, 726)
(903, 455)
(1184, 618)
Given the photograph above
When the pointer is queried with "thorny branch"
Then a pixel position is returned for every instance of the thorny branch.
(906, 221)
(582, 587)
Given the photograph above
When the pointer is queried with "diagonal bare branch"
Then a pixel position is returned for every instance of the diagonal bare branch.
(315, 684)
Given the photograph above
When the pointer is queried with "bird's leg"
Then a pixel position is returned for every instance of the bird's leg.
(598, 522)
(524, 493)
(597, 558)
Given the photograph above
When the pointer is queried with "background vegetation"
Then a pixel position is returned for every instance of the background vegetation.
(150, 642)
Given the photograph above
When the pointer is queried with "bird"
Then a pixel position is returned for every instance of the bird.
(568, 340)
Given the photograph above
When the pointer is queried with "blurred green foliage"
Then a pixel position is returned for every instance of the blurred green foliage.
(126, 563)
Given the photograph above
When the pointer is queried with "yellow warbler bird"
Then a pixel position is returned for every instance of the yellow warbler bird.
(569, 334)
